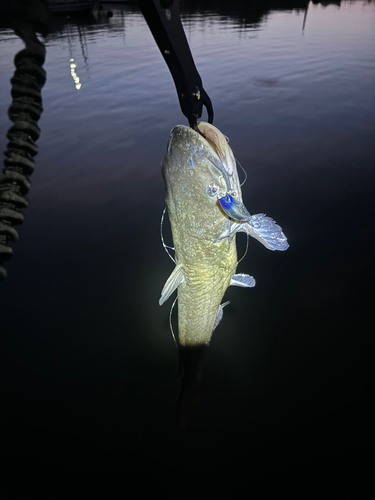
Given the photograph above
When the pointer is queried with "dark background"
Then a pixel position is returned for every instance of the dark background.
(88, 365)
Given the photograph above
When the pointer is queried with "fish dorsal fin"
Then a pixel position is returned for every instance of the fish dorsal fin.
(243, 280)
(220, 314)
(173, 282)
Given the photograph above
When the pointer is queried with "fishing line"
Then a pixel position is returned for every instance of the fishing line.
(243, 170)
(162, 239)
(170, 321)
(247, 246)
(244, 255)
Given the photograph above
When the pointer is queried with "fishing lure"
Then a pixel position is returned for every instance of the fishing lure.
(234, 208)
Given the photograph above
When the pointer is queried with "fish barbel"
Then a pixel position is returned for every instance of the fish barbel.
(205, 209)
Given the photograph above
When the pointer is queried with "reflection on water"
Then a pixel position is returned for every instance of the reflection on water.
(87, 350)
(73, 73)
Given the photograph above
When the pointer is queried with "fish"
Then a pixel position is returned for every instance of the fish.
(206, 211)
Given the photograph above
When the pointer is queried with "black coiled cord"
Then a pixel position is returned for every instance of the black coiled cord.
(24, 112)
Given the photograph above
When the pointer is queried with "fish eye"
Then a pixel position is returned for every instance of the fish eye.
(212, 190)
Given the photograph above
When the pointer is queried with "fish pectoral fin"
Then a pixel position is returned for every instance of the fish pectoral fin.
(220, 314)
(236, 227)
(243, 280)
(265, 230)
(173, 282)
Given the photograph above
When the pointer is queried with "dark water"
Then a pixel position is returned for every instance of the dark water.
(87, 359)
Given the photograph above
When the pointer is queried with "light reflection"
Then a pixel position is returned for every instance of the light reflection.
(73, 73)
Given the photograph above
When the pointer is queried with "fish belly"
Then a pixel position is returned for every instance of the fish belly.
(199, 297)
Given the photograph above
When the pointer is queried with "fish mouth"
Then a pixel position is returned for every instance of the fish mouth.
(233, 208)
(199, 135)
(213, 142)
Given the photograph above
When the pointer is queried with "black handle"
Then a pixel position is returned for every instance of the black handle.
(163, 19)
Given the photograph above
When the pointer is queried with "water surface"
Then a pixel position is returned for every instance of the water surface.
(88, 361)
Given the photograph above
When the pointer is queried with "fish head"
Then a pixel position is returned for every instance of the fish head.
(198, 170)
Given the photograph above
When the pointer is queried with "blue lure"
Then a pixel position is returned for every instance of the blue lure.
(234, 209)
